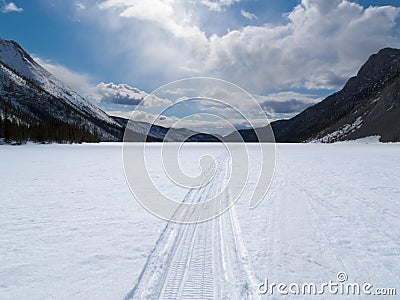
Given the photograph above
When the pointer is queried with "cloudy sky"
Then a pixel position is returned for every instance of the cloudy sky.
(288, 54)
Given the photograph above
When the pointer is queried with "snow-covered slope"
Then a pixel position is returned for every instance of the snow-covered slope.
(12, 55)
(31, 95)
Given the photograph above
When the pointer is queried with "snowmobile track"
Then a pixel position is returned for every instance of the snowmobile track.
(198, 261)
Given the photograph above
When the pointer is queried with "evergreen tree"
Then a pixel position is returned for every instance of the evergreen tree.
(1, 127)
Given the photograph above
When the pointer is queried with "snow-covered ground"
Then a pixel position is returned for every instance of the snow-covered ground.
(70, 229)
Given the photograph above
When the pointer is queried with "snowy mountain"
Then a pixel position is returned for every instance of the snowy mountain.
(368, 105)
(32, 96)
(12, 55)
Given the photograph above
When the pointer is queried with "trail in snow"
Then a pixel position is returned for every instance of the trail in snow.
(205, 260)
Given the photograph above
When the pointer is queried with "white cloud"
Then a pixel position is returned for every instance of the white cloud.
(10, 7)
(118, 94)
(142, 116)
(125, 95)
(79, 5)
(287, 96)
(287, 102)
(163, 13)
(248, 15)
(273, 104)
(79, 82)
(320, 46)
(218, 5)
(102, 93)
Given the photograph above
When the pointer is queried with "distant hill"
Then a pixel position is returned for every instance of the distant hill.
(156, 133)
(368, 105)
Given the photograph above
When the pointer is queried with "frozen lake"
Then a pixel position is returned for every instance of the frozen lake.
(71, 229)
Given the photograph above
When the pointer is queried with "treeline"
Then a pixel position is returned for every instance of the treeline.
(45, 132)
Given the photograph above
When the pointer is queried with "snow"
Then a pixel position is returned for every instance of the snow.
(11, 76)
(70, 229)
(373, 139)
(338, 134)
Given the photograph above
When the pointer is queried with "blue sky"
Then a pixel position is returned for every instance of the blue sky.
(288, 53)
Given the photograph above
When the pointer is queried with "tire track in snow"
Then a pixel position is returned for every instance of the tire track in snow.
(318, 224)
(360, 200)
(333, 204)
(246, 284)
(199, 261)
